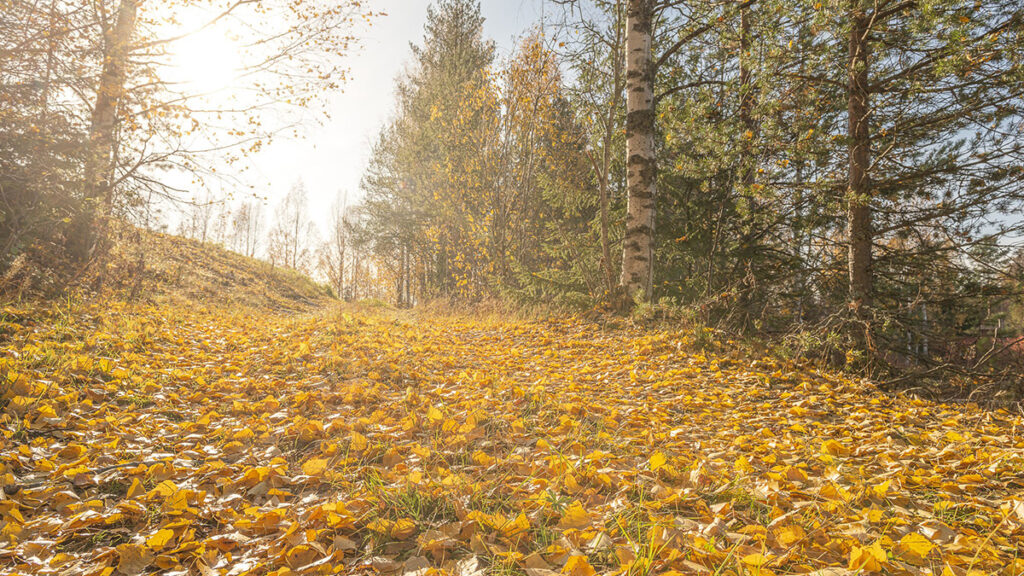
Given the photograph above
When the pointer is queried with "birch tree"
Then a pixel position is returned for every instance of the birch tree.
(117, 34)
(641, 167)
(247, 227)
(334, 252)
(145, 117)
(288, 241)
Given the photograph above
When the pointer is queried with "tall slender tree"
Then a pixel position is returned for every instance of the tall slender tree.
(641, 170)
(117, 34)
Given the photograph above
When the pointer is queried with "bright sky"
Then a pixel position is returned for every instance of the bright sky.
(332, 157)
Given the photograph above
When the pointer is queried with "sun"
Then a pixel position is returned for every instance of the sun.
(205, 62)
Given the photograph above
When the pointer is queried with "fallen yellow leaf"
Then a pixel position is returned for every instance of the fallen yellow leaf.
(314, 466)
(870, 558)
(657, 460)
(578, 566)
(359, 442)
(915, 545)
(575, 516)
(160, 539)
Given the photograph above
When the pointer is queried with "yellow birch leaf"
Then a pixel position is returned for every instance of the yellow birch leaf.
(742, 465)
(517, 526)
(915, 545)
(71, 452)
(314, 466)
(834, 448)
(359, 442)
(176, 503)
(403, 529)
(789, 535)
(658, 459)
(380, 525)
(164, 489)
(575, 516)
(160, 539)
(482, 458)
(135, 489)
(133, 559)
(882, 489)
(434, 415)
(578, 566)
(300, 555)
(867, 557)
(756, 559)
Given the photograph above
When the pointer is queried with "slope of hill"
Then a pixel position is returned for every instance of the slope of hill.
(170, 268)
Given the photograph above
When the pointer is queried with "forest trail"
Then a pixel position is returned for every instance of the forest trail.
(254, 442)
(841, 181)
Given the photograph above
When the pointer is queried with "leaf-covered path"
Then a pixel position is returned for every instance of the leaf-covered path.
(166, 440)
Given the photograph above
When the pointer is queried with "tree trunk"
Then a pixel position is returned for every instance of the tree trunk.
(341, 270)
(295, 240)
(859, 193)
(747, 98)
(90, 225)
(499, 235)
(355, 277)
(51, 51)
(408, 277)
(641, 176)
(604, 174)
(399, 287)
(606, 251)
(749, 242)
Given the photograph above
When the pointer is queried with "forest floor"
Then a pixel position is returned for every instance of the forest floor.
(162, 438)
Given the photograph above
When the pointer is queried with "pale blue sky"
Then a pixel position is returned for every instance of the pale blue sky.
(332, 157)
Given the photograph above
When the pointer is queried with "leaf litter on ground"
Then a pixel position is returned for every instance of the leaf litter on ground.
(158, 439)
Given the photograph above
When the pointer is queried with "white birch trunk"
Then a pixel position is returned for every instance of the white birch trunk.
(641, 177)
(90, 224)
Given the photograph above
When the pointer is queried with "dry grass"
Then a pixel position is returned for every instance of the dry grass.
(162, 268)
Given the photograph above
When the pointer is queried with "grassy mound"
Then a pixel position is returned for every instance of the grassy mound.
(163, 268)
